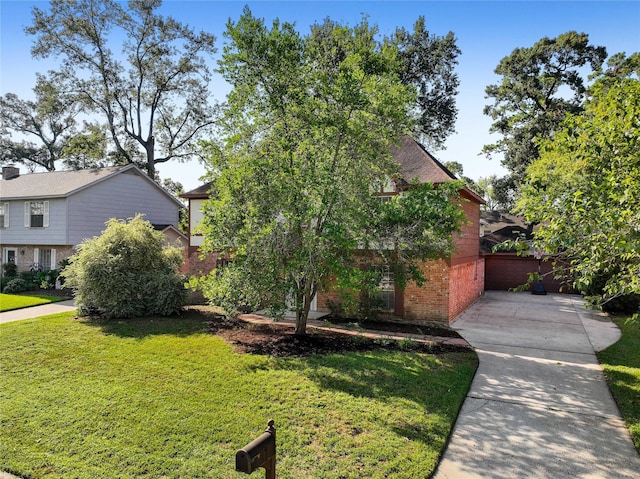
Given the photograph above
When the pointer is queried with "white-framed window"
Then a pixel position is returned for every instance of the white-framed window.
(36, 214)
(387, 294)
(4, 215)
(44, 258)
(9, 255)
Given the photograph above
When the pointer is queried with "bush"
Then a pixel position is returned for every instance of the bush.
(10, 269)
(16, 285)
(46, 279)
(126, 272)
(4, 282)
(623, 304)
(29, 278)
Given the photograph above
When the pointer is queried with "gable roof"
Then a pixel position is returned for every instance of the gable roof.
(416, 162)
(506, 233)
(165, 228)
(61, 184)
(496, 220)
(201, 192)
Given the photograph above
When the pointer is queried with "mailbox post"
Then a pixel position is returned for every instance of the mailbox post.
(261, 452)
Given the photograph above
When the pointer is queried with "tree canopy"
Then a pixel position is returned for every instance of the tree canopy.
(540, 85)
(306, 145)
(428, 63)
(584, 190)
(153, 97)
(48, 125)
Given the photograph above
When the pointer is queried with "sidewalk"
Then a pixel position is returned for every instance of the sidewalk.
(539, 406)
(35, 311)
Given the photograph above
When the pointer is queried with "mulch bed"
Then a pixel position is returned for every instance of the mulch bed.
(279, 340)
(425, 329)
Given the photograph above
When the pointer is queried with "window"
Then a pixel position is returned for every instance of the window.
(223, 262)
(36, 214)
(387, 295)
(44, 259)
(4, 215)
(9, 255)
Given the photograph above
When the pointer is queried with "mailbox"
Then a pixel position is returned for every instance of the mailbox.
(261, 452)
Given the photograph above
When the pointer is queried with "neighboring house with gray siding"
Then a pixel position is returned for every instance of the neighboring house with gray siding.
(44, 216)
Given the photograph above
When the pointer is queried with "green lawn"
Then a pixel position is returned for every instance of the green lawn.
(164, 398)
(621, 363)
(9, 302)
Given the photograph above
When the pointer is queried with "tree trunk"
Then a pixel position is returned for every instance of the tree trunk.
(302, 313)
(151, 157)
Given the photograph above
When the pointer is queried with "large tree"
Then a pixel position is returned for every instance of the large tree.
(584, 190)
(153, 94)
(44, 126)
(428, 63)
(306, 143)
(540, 85)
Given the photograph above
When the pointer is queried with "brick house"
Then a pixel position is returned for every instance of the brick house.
(453, 283)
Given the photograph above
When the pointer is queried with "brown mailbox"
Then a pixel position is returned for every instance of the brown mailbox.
(261, 452)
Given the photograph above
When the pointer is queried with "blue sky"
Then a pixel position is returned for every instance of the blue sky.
(486, 31)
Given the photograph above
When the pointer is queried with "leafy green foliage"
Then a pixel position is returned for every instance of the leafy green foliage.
(10, 269)
(585, 191)
(531, 101)
(47, 123)
(428, 63)
(88, 149)
(16, 285)
(126, 272)
(307, 136)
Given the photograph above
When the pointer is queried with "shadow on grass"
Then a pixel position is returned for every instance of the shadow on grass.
(185, 323)
(436, 384)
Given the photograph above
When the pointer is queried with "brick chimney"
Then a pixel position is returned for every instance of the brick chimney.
(10, 172)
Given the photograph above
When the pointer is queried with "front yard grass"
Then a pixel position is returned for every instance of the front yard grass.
(10, 302)
(621, 363)
(165, 398)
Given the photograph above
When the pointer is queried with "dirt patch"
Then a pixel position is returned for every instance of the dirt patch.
(280, 340)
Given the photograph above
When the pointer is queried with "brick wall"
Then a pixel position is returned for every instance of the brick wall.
(466, 284)
(468, 240)
(25, 254)
(197, 265)
(431, 301)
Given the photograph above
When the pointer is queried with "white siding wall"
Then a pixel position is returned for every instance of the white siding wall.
(121, 197)
(196, 216)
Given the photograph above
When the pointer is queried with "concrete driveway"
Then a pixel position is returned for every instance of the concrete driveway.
(539, 406)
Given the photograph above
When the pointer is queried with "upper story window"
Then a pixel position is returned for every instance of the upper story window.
(36, 214)
(4, 215)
